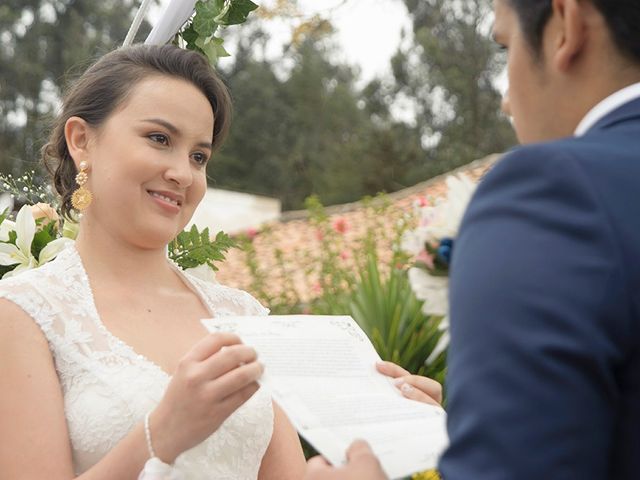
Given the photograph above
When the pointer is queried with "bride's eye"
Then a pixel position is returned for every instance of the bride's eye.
(159, 138)
(200, 158)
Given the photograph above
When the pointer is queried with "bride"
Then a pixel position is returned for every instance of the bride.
(103, 360)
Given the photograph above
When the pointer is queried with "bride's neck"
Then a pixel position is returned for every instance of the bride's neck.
(110, 259)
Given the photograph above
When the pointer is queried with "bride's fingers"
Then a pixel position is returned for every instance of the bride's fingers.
(211, 344)
(419, 388)
(237, 399)
(226, 359)
(391, 369)
(236, 379)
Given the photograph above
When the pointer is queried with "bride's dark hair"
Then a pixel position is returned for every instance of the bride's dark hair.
(106, 85)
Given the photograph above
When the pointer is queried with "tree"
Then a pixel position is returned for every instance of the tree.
(449, 72)
(40, 41)
(309, 130)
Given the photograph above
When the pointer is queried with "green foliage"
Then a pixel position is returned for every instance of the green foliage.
(389, 312)
(192, 248)
(353, 279)
(311, 132)
(45, 233)
(200, 33)
(35, 58)
(449, 72)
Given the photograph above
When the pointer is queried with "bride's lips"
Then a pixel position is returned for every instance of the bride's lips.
(170, 201)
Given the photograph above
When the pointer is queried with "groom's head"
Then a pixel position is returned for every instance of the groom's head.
(564, 57)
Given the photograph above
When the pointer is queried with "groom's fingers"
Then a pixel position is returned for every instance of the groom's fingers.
(362, 460)
(360, 452)
(319, 469)
(317, 463)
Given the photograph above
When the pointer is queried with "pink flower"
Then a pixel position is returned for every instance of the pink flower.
(316, 288)
(422, 201)
(345, 255)
(426, 258)
(319, 235)
(252, 233)
(341, 225)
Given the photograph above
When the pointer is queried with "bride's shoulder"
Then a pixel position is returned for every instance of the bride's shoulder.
(225, 299)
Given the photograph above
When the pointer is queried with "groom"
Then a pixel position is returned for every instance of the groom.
(544, 363)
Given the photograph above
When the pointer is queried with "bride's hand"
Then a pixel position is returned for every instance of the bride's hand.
(415, 387)
(211, 381)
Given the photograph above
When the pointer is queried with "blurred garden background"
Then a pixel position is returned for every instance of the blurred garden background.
(328, 165)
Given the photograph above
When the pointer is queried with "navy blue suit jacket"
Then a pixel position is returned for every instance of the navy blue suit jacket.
(544, 362)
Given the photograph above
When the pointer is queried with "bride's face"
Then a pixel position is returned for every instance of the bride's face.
(148, 162)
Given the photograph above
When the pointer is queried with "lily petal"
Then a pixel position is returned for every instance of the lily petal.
(5, 228)
(52, 249)
(10, 255)
(22, 268)
(26, 229)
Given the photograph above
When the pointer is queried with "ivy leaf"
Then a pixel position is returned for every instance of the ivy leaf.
(236, 12)
(212, 48)
(204, 23)
(189, 34)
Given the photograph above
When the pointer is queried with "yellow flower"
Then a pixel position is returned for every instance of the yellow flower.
(429, 475)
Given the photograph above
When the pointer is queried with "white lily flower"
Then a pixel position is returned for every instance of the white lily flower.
(20, 253)
(432, 290)
(6, 227)
(443, 220)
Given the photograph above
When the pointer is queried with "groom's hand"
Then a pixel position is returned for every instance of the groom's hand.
(361, 464)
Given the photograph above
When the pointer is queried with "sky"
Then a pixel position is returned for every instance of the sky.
(368, 31)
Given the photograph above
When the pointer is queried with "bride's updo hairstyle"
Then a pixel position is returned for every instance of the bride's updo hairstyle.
(106, 85)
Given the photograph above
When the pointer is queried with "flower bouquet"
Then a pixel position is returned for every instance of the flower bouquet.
(431, 246)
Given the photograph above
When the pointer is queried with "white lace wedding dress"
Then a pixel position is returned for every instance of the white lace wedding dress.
(108, 387)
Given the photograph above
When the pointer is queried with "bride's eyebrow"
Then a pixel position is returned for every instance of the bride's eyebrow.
(169, 126)
(174, 130)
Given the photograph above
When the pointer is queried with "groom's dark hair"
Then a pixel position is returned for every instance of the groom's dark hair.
(622, 17)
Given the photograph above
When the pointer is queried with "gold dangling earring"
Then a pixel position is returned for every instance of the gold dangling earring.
(81, 198)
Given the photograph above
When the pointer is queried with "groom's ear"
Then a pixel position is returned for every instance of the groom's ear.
(569, 30)
(78, 134)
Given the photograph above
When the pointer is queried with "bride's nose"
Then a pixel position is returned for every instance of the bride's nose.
(180, 172)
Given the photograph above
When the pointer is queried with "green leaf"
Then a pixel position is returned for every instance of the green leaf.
(189, 34)
(204, 23)
(193, 248)
(236, 12)
(212, 48)
(42, 237)
(13, 237)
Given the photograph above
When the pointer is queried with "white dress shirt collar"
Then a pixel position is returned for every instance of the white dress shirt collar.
(606, 106)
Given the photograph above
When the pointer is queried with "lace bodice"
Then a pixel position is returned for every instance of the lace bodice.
(108, 387)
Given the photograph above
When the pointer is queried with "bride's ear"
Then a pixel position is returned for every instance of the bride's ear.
(77, 133)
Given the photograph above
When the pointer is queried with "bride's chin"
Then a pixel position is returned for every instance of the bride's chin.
(154, 239)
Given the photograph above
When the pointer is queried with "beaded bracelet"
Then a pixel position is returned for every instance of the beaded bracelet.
(147, 434)
(154, 468)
